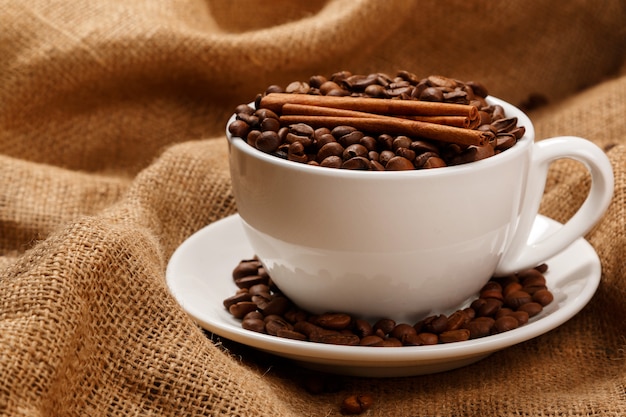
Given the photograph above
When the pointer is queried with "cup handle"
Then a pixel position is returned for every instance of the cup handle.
(521, 254)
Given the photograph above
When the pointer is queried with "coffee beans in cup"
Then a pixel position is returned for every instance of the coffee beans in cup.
(377, 122)
(503, 304)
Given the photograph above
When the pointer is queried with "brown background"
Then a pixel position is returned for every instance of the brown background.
(112, 153)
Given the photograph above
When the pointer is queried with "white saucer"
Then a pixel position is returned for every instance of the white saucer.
(199, 277)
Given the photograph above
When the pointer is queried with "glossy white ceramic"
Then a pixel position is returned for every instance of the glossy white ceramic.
(199, 277)
(404, 244)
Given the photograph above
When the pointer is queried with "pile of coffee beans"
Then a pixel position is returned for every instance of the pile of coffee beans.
(349, 148)
(503, 304)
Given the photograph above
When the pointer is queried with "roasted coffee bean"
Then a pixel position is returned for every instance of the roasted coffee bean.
(354, 150)
(391, 342)
(363, 328)
(332, 321)
(234, 299)
(534, 284)
(478, 88)
(268, 141)
(278, 305)
(274, 89)
(504, 141)
(521, 316)
(402, 330)
(384, 325)
(543, 297)
(263, 114)
(357, 163)
(399, 163)
(298, 87)
(336, 339)
(246, 267)
(296, 152)
(498, 112)
(421, 146)
(518, 132)
(243, 109)
(504, 311)
(371, 340)
(294, 315)
(428, 338)
(518, 298)
(302, 129)
(422, 158)
(256, 325)
(332, 162)
(270, 124)
(309, 329)
(434, 162)
(275, 323)
(401, 142)
(240, 309)
(451, 336)
(369, 142)
(406, 153)
(351, 138)
(259, 289)
(385, 142)
(435, 324)
(250, 280)
(457, 320)
(489, 308)
(505, 323)
(505, 125)
(375, 90)
(361, 82)
(469, 312)
(316, 81)
(290, 334)
(385, 156)
(328, 86)
(252, 137)
(456, 96)
(511, 288)
(343, 130)
(408, 76)
(357, 404)
(239, 128)
(323, 139)
(431, 94)
(376, 166)
(531, 308)
(480, 327)
(492, 290)
(330, 149)
(414, 340)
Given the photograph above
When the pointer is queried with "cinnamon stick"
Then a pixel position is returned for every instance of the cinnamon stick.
(395, 126)
(307, 110)
(276, 101)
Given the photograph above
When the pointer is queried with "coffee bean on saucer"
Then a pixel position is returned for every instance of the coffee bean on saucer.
(503, 304)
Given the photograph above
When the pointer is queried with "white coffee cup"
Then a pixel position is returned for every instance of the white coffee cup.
(406, 244)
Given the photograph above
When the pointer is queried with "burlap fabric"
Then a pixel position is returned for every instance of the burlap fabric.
(112, 116)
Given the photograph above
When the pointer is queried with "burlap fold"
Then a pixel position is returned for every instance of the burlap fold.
(112, 118)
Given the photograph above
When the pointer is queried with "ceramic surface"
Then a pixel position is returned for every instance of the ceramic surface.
(199, 277)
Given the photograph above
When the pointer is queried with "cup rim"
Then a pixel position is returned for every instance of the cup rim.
(526, 140)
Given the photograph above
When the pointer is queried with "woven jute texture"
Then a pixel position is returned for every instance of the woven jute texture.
(112, 153)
